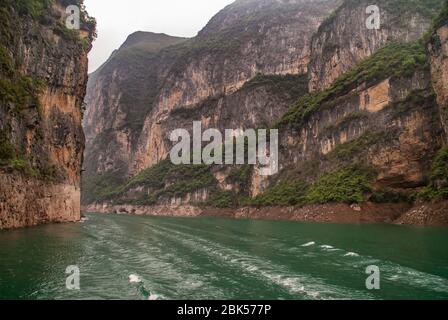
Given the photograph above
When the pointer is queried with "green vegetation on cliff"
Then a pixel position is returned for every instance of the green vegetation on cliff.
(222, 199)
(17, 91)
(394, 60)
(442, 18)
(438, 185)
(35, 8)
(161, 181)
(350, 184)
(13, 159)
(283, 194)
(100, 187)
(184, 179)
(240, 175)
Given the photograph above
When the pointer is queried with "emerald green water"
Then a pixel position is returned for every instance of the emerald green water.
(208, 258)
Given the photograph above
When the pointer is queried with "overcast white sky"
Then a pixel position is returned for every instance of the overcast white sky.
(117, 19)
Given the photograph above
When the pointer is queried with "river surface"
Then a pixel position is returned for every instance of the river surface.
(128, 257)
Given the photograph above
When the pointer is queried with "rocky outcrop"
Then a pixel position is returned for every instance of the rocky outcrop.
(427, 214)
(31, 201)
(344, 40)
(43, 84)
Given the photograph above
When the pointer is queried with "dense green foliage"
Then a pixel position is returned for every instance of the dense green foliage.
(396, 59)
(152, 177)
(223, 199)
(160, 181)
(349, 185)
(442, 18)
(240, 175)
(438, 185)
(283, 194)
(188, 178)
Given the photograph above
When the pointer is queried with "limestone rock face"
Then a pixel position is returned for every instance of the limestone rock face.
(42, 140)
(119, 96)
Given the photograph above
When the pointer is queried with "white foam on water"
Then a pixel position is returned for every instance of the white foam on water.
(351, 254)
(294, 283)
(393, 278)
(251, 268)
(133, 278)
(309, 244)
(415, 278)
(328, 248)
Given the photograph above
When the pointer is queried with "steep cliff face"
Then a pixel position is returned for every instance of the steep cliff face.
(344, 40)
(42, 86)
(120, 94)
